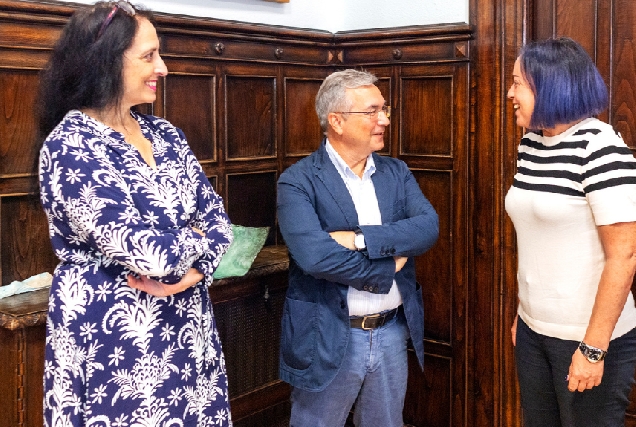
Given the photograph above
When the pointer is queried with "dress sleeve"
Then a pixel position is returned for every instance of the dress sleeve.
(92, 213)
(210, 216)
(609, 179)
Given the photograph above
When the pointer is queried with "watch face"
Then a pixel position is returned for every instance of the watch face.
(591, 353)
(358, 241)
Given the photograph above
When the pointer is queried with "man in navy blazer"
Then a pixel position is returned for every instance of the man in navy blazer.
(353, 221)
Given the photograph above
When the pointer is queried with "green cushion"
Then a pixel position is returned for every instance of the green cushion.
(238, 259)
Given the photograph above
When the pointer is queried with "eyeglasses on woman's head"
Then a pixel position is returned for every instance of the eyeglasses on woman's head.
(119, 5)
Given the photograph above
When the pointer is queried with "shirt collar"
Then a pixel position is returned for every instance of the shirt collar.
(342, 166)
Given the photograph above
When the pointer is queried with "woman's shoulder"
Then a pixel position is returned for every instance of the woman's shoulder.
(159, 124)
(593, 130)
(72, 130)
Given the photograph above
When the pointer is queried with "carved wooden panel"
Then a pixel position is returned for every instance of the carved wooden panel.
(32, 350)
(433, 140)
(623, 108)
(248, 327)
(302, 127)
(26, 249)
(18, 129)
(252, 200)
(383, 52)
(434, 268)
(428, 394)
(250, 116)
(427, 115)
(10, 400)
(190, 104)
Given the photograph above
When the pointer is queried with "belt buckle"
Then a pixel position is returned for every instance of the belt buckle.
(364, 319)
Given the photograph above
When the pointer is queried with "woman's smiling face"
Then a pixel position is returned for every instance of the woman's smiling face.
(142, 66)
(522, 96)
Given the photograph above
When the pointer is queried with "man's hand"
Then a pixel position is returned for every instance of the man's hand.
(399, 262)
(344, 238)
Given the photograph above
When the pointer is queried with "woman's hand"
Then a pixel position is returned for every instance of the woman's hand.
(583, 374)
(513, 330)
(159, 289)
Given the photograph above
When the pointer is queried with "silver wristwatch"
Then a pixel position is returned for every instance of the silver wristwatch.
(592, 354)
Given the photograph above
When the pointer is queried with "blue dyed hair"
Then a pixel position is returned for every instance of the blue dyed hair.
(566, 84)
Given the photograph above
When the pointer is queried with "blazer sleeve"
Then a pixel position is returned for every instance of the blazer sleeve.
(413, 228)
(311, 246)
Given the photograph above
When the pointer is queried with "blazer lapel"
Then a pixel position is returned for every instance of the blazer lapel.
(384, 189)
(326, 172)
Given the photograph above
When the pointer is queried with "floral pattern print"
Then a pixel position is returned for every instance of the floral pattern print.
(117, 356)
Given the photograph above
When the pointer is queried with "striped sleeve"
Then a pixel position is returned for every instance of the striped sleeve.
(609, 178)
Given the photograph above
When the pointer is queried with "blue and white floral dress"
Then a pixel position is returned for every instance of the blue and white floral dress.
(116, 356)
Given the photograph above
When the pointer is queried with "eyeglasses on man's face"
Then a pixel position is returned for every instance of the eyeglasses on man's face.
(121, 4)
(386, 109)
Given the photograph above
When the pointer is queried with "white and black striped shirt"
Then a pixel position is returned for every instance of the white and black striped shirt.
(566, 186)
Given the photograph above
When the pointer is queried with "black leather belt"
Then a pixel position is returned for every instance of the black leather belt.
(373, 321)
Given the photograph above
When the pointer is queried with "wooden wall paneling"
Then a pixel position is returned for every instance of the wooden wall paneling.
(190, 104)
(18, 127)
(247, 327)
(252, 200)
(435, 267)
(428, 396)
(589, 22)
(623, 88)
(432, 108)
(26, 249)
(32, 355)
(500, 27)
(250, 104)
(302, 127)
(11, 397)
(301, 130)
(427, 113)
(442, 274)
(577, 19)
(508, 134)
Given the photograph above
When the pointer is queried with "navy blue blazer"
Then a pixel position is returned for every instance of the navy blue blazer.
(313, 200)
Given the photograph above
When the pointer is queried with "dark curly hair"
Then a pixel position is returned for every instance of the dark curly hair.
(85, 70)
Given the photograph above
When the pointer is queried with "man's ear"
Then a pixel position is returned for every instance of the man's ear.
(336, 121)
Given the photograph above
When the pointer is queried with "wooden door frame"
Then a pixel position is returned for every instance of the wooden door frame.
(500, 28)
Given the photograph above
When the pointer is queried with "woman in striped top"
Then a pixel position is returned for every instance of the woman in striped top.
(573, 205)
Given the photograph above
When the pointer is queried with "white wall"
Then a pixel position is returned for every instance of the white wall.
(330, 15)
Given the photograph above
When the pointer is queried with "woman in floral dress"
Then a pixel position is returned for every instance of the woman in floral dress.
(131, 337)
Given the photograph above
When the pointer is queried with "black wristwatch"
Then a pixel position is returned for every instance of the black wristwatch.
(592, 354)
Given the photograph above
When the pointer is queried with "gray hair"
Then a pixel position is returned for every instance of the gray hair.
(332, 97)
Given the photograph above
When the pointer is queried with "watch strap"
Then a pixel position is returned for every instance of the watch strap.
(591, 353)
